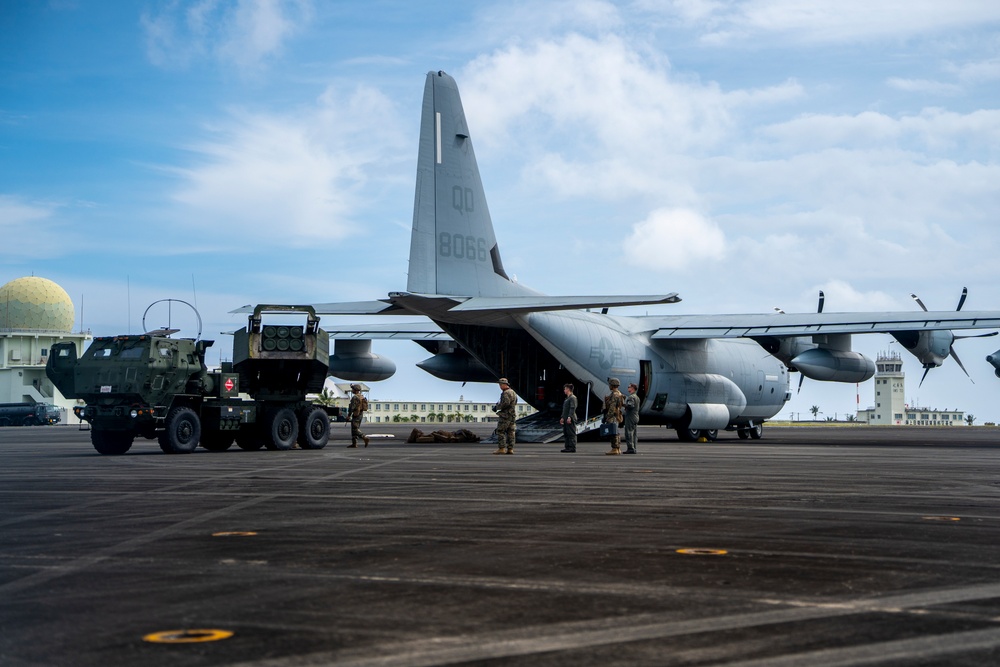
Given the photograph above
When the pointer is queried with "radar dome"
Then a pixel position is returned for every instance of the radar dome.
(35, 304)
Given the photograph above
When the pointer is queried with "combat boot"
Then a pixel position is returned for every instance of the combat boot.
(365, 438)
(510, 450)
(615, 451)
(353, 444)
(500, 450)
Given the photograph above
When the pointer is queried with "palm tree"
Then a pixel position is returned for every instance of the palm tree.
(325, 398)
(815, 410)
(970, 419)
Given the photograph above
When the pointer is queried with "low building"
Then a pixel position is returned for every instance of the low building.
(437, 412)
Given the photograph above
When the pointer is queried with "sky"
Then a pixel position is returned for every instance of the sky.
(744, 154)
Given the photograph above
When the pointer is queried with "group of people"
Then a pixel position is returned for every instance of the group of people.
(619, 410)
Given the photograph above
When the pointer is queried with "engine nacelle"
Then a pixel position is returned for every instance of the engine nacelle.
(457, 366)
(930, 347)
(994, 360)
(785, 348)
(353, 360)
(834, 365)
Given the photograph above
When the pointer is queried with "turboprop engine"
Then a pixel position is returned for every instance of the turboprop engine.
(930, 347)
(831, 365)
(994, 360)
(828, 358)
(457, 366)
(353, 360)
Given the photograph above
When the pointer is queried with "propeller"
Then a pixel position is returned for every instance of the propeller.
(819, 309)
(951, 348)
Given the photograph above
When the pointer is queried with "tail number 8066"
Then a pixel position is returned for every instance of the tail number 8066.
(459, 246)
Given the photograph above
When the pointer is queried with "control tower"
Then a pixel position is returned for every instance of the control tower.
(890, 404)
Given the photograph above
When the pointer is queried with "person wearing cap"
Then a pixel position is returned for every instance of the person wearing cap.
(613, 403)
(568, 419)
(356, 410)
(506, 425)
(631, 418)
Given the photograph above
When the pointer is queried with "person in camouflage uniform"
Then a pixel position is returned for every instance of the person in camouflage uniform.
(506, 426)
(356, 410)
(613, 404)
(631, 418)
(568, 419)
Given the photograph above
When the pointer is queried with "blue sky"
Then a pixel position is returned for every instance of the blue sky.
(744, 154)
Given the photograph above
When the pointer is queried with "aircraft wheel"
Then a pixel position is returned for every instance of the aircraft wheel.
(283, 429)
(687, 434)
(757, 431)
(181, 433)
(249, 440)
(4, 421)
(217, 441)
(111, 443)
(711, 435)
(314, 429)
(743, 433)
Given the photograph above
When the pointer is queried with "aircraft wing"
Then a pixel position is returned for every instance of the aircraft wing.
(810, 324)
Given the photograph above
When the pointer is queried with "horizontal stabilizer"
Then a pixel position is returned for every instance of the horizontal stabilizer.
(345, 308)
(535, 303)
(357, 308)
(422, 330)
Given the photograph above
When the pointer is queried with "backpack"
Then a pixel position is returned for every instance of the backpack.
(364, 404)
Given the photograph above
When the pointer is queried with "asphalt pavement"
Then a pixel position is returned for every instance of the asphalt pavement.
(813, 546)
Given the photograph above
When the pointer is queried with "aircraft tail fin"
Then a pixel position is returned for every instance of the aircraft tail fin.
(453, 250)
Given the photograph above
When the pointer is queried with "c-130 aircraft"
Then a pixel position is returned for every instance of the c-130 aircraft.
(695, 373)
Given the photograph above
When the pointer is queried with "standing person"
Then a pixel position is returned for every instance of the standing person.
(613, 403)
(357, 408)
(506, 426)
(568, 419)
(631, 418)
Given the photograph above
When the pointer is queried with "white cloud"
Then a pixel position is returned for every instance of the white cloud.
(983, 71)
(28, 228)
(827, 21)
(290, 180)
(600, 90)
(924, 86)
(674, 240)
(242, 32)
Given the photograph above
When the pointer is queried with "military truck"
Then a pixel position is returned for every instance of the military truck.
(28, 414)
(158, 387)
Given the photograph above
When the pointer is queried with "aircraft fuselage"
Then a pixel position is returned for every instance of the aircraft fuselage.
(701, 384)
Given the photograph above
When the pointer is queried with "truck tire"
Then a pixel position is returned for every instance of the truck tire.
(314, 429)
(111, 443)
(248, 439)
(283, 429)
(181, 432)
(217, 441)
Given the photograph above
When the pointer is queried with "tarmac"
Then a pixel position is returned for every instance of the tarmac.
(812, 546)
